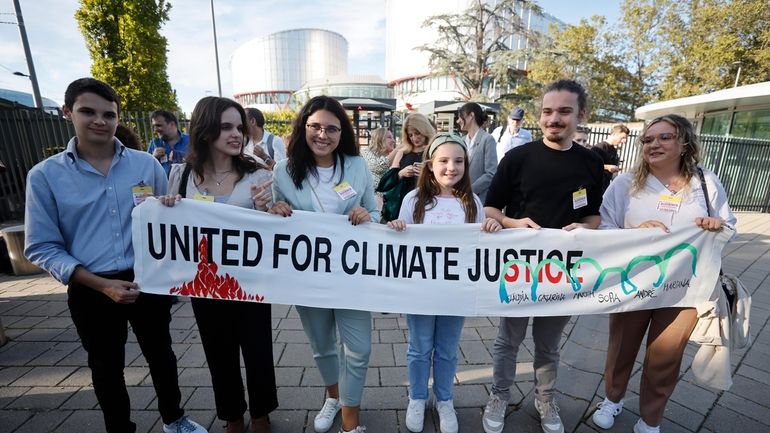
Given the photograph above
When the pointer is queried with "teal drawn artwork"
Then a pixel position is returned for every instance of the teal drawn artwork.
(625, 283)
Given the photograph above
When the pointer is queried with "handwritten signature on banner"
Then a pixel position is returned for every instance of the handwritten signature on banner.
(576, 282)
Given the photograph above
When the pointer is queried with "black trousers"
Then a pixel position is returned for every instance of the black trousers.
(103, 329)
(230, 327)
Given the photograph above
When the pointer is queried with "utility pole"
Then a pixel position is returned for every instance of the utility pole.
(28, 53)
(216, 50)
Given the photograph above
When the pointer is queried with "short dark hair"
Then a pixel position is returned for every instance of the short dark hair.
(127, 136)
(478, 113)
(571, 86)
(89, 85)
(254, 113)
(301, 160)
(168, 116)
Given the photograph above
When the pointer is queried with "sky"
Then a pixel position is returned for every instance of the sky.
(60, 55)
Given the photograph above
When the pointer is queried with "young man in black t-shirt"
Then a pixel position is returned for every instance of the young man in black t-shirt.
(550, 183)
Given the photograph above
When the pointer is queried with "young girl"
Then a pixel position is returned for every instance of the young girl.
(443, 196)
(217, 169)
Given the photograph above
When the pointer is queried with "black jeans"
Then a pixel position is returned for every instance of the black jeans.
(227, 328)
(103, 328)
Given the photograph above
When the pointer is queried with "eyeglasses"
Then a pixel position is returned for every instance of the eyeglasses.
(328, 129)
(664, 138)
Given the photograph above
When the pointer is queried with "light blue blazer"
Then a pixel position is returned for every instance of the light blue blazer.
(356, 173)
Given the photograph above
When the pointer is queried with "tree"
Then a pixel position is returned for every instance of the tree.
(128, 51)
(584, 53)
(706, 39)
(471, 47)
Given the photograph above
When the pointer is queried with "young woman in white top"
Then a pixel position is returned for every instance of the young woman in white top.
(217, 170)
(663, 191)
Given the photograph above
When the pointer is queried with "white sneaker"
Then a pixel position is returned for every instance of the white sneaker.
(550, 420)
(359, 429)
(447, 416)
(184, 425)
(606, 412)
(415, 415)
(493, 420)
(325, 418)
(642, 427)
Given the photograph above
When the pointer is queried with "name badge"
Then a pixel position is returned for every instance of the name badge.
(141, 192)
(163, 159)
(345, 190)
(579, 198)
(203, 197)
(669, 203)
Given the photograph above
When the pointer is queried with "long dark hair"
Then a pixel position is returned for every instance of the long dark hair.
(301, 160)
(205, 128)
(428, 188)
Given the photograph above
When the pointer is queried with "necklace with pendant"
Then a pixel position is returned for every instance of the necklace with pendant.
(219, 182)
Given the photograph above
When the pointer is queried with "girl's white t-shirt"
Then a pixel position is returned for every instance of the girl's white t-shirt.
(448, 210)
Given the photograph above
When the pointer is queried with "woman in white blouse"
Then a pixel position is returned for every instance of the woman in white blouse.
(663, 191)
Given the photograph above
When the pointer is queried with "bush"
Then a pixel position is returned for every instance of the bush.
(279, 122)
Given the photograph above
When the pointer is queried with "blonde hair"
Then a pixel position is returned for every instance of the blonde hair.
(685, 135)
(422, 125)
(379, 137)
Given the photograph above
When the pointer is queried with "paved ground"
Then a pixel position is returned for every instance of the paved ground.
(45, 386)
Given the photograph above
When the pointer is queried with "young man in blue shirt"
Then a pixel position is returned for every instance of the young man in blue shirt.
(78, 228)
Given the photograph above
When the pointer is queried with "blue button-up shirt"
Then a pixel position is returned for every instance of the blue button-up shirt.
(77, 216)
(174, 155)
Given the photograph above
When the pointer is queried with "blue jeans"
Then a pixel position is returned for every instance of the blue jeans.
(432, 339)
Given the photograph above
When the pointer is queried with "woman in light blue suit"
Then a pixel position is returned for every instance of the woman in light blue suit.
(482, 152)
(324, 173)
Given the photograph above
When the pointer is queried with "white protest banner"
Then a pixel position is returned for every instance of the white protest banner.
(212, 250)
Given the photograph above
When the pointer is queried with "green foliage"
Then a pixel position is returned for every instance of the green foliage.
(280, 122)
(128, 52)
(582, 53)
(471, 46)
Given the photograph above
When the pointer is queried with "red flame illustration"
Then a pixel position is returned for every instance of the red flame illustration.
(207, 284)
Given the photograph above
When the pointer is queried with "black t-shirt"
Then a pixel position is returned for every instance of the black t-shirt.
(538, 182)
(609, 155)
(406, 160)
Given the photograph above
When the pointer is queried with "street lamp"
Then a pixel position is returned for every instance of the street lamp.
(30, 66)
(737, 74)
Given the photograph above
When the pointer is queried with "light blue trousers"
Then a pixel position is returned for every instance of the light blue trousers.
(433, 341)
(352, 357)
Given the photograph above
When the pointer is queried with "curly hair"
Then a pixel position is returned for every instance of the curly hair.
(379, 138)
(685, 135)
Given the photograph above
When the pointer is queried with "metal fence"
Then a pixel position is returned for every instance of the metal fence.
(28, 136)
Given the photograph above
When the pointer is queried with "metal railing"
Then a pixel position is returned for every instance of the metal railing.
(28, 136)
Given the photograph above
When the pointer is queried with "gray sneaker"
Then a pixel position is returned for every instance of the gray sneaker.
(550, 420)
(493, 420)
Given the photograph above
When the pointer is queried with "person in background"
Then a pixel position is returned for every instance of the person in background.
(443, 196)
(665, 190)
(324, 173)
(379, 154)
(581, 136)
(78, 228)
(263, 146)
(481, 147)
(170, 145)
(511, 135)
(127, 136)
(406, 166)
(217, 169)
(608, 151)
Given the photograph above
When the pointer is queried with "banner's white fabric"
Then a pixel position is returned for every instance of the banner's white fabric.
(207, 249)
